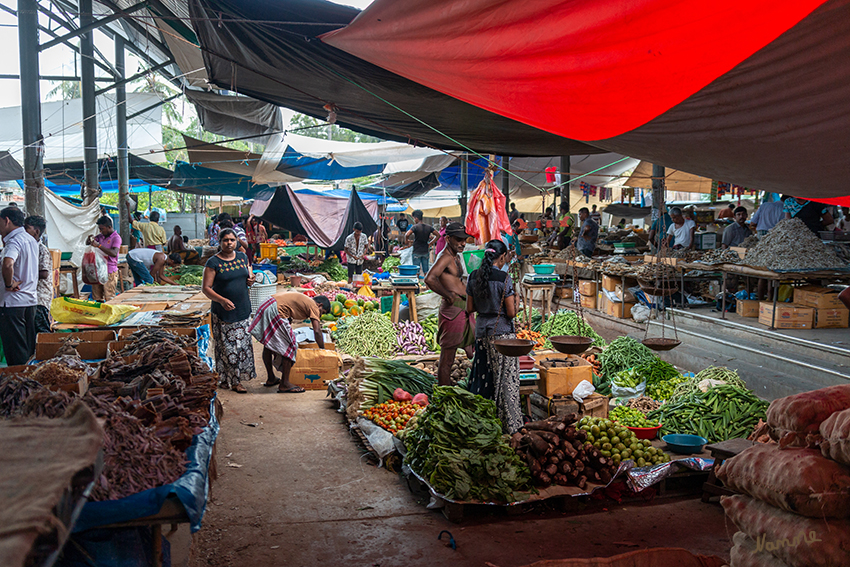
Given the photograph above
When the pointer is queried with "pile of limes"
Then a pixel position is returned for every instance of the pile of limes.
(613, 440)
(631, 417)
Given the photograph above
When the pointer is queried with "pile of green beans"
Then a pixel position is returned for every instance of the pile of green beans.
(623, 353)
(723, 412)
(370, 334)
(566, 322)
(719, 373)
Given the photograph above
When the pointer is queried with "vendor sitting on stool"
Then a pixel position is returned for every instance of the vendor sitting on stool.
(272, 326)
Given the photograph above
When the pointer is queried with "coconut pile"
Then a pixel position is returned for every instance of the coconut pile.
(789, 246)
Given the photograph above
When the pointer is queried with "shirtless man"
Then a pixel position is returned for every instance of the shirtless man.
(456, 326)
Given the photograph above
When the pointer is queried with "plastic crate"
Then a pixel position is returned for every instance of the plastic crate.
(386, 303)
(267, 267)
(268, 250)
(259, 293)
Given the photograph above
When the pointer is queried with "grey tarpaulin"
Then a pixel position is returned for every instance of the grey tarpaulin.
(10, 170)
(235, 115)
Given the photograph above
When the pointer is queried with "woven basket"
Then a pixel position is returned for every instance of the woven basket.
(259, 293)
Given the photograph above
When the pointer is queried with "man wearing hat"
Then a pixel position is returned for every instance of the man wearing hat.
(456, 326)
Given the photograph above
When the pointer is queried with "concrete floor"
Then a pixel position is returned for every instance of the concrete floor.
(296, 490)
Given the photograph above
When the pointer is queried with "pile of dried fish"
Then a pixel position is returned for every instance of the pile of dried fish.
(134, 457)
(686, 254)
(14, 391)
(749, 241)
(618, 266)
(721, 256)
(62, 370)
(655, 271)
(789, 246)
(152, 336)
(841, 249)
(182, 318)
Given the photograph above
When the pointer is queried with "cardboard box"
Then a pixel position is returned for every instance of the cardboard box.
(149, 306)
(816, 296)
(832, 318)
(788, 315)
(564, 292)
(310, 344)
(563, 381)
(595, 405)
(610, 282)
(587, 288)
(619, 310)
(747, 308)
(588, 302)
(620, 293)
(85, 336)
(87, 351)
(314, 366)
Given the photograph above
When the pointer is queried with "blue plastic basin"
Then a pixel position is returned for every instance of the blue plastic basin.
(684, 444)
(408, 270)
(544, 269)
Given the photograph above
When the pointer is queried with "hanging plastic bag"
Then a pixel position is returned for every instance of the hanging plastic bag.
(407, 256)
(582, 391)
(94, 267)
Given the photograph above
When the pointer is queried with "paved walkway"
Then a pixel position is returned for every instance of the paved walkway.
(294, 489)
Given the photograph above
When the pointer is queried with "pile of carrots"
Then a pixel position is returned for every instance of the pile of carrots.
(538, 338)
(597, 366)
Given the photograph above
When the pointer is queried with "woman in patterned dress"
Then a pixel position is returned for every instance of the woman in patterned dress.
(227, 277)
(490, 295)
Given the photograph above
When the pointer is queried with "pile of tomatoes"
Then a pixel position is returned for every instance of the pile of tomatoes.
(391, 415)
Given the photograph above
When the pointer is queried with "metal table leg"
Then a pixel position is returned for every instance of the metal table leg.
(775, 298)
(723, 299)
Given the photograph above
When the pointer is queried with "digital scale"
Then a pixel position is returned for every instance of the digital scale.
(541, 278)
(528, 377)
(403, 280)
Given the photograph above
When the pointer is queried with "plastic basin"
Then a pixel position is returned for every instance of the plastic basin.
(544, 269)
(684, 444)
(645, 432)
(408, 270)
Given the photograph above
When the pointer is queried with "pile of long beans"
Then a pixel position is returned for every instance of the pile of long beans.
(566, 322)
(721, 413)
(370, 334)
(621, 354)
(718, 373)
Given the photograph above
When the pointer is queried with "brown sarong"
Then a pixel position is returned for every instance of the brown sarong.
(456, 328)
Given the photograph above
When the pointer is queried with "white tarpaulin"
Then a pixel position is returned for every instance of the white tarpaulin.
(68, 225)
(674, 180)
(266, 172)
(354, 154)
(62, 128)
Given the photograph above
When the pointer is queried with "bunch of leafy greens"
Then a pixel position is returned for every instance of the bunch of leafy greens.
(459, 449)
(334, 269)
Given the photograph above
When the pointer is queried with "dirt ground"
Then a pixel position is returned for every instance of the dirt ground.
(295, 489)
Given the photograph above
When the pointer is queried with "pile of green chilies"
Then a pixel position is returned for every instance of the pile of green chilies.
(723, 412)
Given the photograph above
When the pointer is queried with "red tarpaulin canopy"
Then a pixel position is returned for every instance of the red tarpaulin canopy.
(750, 90)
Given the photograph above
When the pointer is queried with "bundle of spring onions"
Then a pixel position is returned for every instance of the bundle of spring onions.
(372, 381)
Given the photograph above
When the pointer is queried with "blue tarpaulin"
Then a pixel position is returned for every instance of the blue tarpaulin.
(297, 165)
(191, 489)
(205, 181)
(136, 186)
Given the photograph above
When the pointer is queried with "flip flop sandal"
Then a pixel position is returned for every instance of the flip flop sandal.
(268, 384)
(292, 390)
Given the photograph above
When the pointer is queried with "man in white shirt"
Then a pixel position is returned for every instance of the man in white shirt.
(768, 215)
(681, 232)
(19, 297)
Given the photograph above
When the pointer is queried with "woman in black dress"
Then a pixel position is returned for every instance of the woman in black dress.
(227, 277)
(490, 295)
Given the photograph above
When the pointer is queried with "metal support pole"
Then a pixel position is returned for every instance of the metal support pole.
(90, 191)
(658, 207)
(506, 166)
(464, 186)
(121, 135)
(565, 179)
(31, 107)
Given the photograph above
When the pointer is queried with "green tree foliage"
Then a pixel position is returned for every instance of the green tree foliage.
(316, 128)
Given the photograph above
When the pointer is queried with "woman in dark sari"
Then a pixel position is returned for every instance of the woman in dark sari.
(491, 296)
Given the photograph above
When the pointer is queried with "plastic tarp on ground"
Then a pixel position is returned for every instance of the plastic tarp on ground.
(325, 220)
(68, 225)
(766, 109)
(279, 60)
(192, 489)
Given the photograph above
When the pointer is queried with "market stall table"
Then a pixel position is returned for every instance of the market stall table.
(720, 452)
(67, 268)
(410, 291)
(776, 278)
(547, 292)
